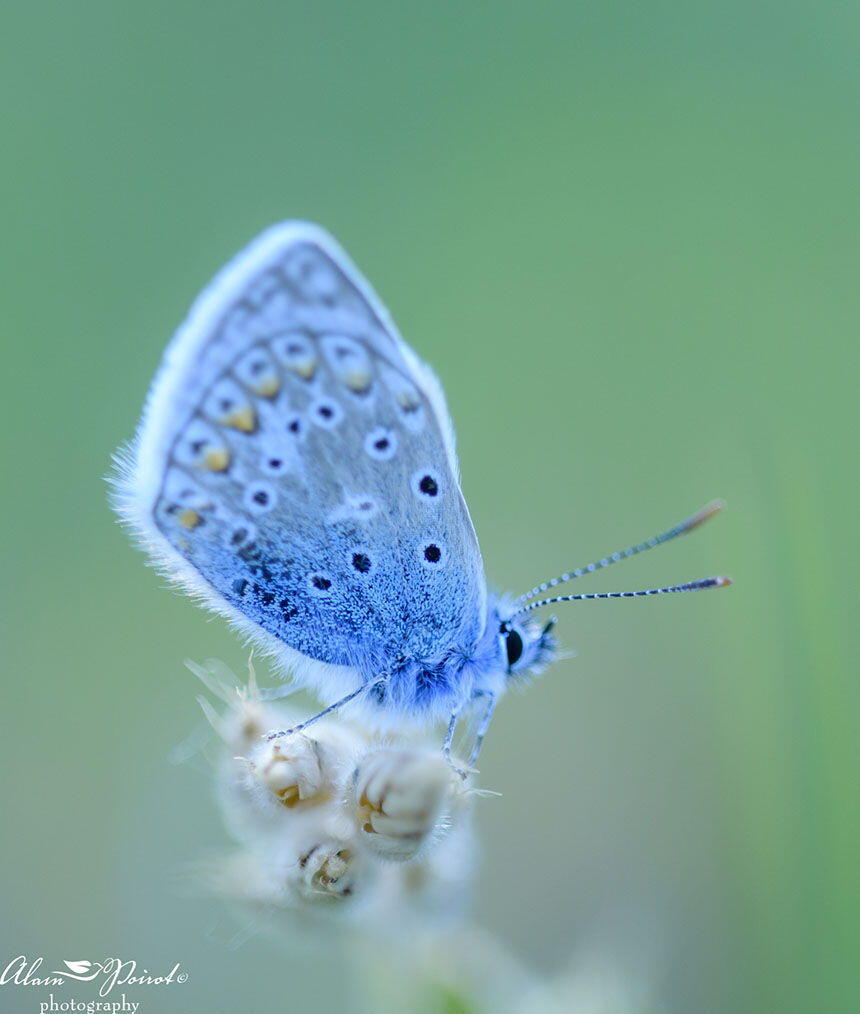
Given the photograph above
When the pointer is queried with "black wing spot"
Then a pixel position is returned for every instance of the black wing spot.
(432, 555)
(319, 584)
(381, 444)
(361, 562)
(260, 498)
(326, 413)
(274, 466)
(425, 484)
(257, 561)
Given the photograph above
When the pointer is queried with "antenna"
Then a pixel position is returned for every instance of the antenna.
(682, 528)
(707, 582)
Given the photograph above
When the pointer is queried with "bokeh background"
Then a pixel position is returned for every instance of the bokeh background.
(626, 236)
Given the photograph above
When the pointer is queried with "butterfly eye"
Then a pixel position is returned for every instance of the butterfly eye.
(513, 644)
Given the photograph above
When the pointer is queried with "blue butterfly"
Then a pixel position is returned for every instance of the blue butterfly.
(295, 470)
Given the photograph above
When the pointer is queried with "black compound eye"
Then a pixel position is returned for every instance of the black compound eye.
(513, 646)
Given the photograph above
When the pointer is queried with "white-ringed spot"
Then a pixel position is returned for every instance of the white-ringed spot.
(357, 508)
(326, 412)
(381, 444)
(297, 353)
(260, 497)
(274, 464)
(257, 371)
(425, 484)
(432, 554)
(296, 427)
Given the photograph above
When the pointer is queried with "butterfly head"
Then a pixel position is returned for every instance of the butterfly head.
(525, 645)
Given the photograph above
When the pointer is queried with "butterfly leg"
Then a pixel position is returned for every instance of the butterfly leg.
(276, 693)
(449, 735)
(449, 739)
(483, 725)
(278, 734)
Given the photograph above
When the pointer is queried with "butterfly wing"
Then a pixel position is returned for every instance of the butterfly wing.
(295, 467)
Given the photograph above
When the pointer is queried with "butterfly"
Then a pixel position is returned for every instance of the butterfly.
(295, 470)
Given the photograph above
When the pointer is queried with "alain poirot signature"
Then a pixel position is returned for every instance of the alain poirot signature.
(111, 972)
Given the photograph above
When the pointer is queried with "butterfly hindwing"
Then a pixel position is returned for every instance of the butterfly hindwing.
(296, 465)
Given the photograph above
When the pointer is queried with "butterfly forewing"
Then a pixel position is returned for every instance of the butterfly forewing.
(299, 459)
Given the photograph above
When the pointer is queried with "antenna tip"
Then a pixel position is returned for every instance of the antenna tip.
(721, 582)
(708, 511)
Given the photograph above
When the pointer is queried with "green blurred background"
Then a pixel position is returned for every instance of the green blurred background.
(626, 236)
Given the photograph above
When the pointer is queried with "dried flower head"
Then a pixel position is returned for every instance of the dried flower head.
(334, 818)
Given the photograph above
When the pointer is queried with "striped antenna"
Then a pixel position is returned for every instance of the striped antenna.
(708, 582)
(682, 528)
